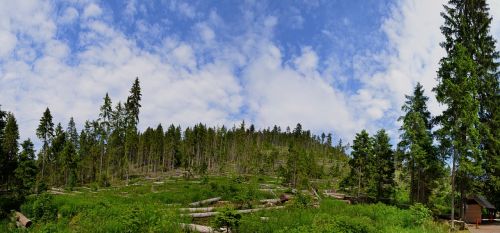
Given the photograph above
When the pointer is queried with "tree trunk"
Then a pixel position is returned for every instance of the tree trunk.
(453, 190)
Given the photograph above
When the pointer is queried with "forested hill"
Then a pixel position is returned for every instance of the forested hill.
(111, 149)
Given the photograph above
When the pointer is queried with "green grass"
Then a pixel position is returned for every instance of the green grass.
(150, 207)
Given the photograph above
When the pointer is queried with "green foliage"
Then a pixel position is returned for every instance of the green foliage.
(228, 218)
(420, 214)
(40, 208)
(302, 200)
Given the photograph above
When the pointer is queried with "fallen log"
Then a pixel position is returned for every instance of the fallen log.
(23, 220)
(259, 209)
(272, 201)
(210, 214)
(207, 201)
(201, 215)
(202, 209)
(198, 228)
(316, 194)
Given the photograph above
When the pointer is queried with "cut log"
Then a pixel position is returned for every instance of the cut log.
(210, 214)
(202, 209)
(201, 215)
(259, 209)
(25, 222)
(207, 201)
(198, 228)
(316, 194)
(273, 201)
(284, 198)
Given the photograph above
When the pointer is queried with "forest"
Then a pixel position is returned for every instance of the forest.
(81, 174)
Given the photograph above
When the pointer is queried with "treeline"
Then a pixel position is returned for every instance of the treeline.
(465, 135)
(111, 149)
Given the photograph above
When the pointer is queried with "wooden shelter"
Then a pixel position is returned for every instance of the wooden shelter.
(474, 206)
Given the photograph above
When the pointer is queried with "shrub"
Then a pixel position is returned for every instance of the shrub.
(40, 208)
(228, 218)
(302, 201)
(420, 214)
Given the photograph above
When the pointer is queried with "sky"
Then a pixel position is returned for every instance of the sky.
(335, 66)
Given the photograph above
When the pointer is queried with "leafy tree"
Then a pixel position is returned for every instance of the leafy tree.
(45, 132)
(383, 165)
(419, 156)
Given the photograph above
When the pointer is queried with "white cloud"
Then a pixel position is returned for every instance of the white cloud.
(92, 10)
(412, 56)
(308, 61)
(69, 16)
(206, 33)
(180, 87)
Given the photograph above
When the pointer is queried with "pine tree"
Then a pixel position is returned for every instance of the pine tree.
(25, 173)
(360, 163)
(3, 157)
(10, 146)
(420, 158)
(72, 133)
(132, 107)
(469, 73)
(383, 165)
(55, 158)
(45, 132)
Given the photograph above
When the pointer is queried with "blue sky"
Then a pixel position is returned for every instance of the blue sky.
(335, 66)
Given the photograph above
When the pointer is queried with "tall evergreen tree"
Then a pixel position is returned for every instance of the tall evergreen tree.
(360, 163)
(3, 157)
(132, 107)
(419, 156)
(26, 170)
(10, 146)
(45, 132)
(383, 165)
(469, 71)
(72, 133)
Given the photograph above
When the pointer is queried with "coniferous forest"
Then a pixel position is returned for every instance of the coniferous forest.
(92, 173)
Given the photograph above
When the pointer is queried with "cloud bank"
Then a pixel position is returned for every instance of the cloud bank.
(67, 56)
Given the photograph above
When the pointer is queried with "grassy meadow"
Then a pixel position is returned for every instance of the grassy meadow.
(153, 206)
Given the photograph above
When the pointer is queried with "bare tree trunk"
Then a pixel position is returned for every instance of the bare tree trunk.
(453, 190)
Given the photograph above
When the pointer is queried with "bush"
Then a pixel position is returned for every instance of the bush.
(420, 214)
(228, 218)
(40, 208)
(302, 201)
(103, 181)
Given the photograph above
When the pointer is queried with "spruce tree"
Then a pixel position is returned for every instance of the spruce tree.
(45, 132)
(419, 157)
(3, 157)
(361, 164)
(383, 165)
(471, 50)
(10, 146)
(25, 173)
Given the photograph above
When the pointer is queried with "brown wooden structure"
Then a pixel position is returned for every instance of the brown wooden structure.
(474, 206)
